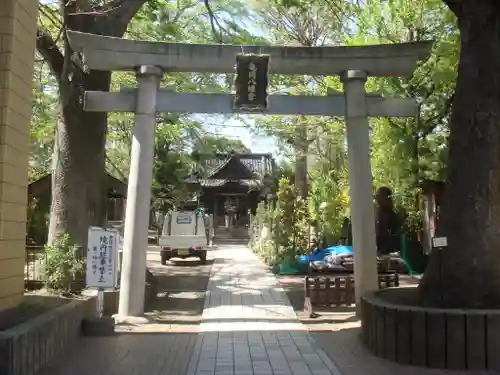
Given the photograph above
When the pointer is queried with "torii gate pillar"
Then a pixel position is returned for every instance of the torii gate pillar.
(360, 184)
(135, 238)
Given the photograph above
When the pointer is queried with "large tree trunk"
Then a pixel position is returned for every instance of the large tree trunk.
(467, 272)
(78, 167)
(78, 160)
(78, 193)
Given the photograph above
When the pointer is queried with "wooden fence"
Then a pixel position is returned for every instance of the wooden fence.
(337, 290)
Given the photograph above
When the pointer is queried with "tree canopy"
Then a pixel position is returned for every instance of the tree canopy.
(454, 137)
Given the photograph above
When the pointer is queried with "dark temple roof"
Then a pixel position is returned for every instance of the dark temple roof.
(243, 169)
(259, 164)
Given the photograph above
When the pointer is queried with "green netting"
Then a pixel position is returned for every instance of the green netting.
(291, 269)
(412, 255)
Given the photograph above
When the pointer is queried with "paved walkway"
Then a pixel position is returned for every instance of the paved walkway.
(248, 326)
(135, 353)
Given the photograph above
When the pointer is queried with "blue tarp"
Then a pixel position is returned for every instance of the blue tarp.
(321, 254)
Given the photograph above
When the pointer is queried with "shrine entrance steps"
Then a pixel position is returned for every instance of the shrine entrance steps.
(231, 236)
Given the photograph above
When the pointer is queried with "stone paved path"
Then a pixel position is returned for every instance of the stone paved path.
(137, 353)
(248, 326)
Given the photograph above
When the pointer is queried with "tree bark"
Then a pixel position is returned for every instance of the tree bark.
(465, 275)
(78, 173)
(78, 160)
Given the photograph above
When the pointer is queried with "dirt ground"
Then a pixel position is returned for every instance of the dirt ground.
(181, 292)
(329, 319)
(181, 297)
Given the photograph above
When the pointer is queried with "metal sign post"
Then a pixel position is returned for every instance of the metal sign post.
(439, 244)
(100, 302)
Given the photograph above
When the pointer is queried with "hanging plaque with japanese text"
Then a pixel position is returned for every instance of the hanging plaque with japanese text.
(251, 83)
(102, 258)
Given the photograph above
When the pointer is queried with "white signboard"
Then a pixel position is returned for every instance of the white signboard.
(183, 218)
(102, 258)
(439, 242)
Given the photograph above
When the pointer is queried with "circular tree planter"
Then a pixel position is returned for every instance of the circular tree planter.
(394, 328)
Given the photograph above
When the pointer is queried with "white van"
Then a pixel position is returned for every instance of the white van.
(185, 234)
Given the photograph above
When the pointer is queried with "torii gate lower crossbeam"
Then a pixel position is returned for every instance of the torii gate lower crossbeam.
(148, 100)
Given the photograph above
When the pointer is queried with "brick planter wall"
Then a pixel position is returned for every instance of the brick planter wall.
(430, 337)
(26, 348)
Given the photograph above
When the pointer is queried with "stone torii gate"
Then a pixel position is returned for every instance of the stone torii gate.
(151, 59)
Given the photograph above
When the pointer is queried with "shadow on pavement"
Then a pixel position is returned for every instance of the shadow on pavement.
(128, 354)
(181, 291)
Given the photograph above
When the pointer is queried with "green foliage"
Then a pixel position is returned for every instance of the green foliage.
(171, 168)
(329, 203)
(329, 188)
(211, 145)
(173, 164)
(187, 21)
(177, 135)
(61, 264)
(286, 215)
(287, 226)
(261, 241)
(43, 122)
(404, 151)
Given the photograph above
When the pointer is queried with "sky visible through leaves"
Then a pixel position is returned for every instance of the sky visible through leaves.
(233, 128)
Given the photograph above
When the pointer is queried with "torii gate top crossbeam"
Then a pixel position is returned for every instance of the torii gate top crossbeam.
(116, 54)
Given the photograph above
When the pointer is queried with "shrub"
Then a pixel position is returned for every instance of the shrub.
(61, 264)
